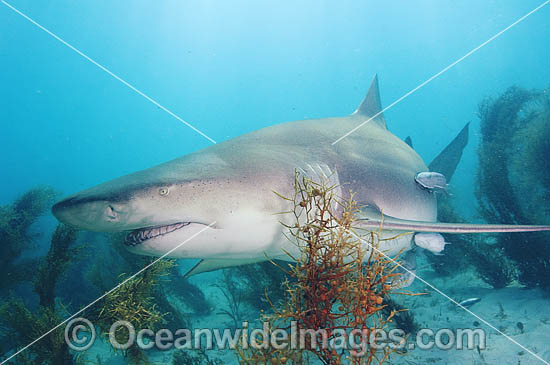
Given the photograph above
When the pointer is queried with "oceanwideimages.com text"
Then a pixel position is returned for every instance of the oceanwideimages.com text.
(80, 335)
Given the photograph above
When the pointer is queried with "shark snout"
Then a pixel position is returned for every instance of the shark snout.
(89, 213)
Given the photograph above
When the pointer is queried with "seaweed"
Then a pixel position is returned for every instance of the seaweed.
(134, 301)
(492, 265)
(455, 258)
(115, 263)
(339, 284)
(112, 260)
(402, 318)
(15, 238)
(513, 180)
(173, 318)
(500, 120)
(24, 325)
(259, 280)
(251, 284)
(56, 262)
(233, 293)
(199, 357)
(489, 260)
(190, 293)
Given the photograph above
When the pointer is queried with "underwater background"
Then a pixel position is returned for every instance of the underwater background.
(230, 68)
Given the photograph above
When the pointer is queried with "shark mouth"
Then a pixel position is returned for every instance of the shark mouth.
(138, 236)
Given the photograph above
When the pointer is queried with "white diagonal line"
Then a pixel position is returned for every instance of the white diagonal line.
(110, 72)
(454, 301)
(107, 293)
(444, 70)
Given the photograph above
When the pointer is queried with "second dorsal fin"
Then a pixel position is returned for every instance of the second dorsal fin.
(371, 105)
(409, 141)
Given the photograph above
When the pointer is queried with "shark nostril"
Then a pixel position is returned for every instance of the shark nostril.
(111, 212)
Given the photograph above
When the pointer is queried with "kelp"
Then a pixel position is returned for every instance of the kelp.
(261, 279)
(197, 357)
(471, 251)
(15, 238)
(513, 180)
(189, 293)
(512, 186)
(133, 301)
(455, 257)
(60, 255)
(233, 291)
(25, 325)
(113, 263)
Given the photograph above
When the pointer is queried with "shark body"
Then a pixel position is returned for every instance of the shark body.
(227, 191)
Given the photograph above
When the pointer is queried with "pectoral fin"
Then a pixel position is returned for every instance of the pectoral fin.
(406, 271)
(207, 265)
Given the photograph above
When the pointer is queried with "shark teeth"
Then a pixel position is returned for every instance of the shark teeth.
(138, 236)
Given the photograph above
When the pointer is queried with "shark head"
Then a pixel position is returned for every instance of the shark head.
(164, 206)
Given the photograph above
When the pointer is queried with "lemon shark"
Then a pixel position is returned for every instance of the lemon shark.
(226, 191)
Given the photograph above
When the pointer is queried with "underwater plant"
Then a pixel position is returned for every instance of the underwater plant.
(134, 301)
(488, 259)
(401, 316)
(491, 264)
(55, 263)
(456, 256)
(15, 238)
(338, 287)
(189, 293)
(17, 319)
(513, 180)
(147, 300)
(198, 357)
(233, 293)
(32, 205)
(112, 260)
(260, 279)
(25, 325)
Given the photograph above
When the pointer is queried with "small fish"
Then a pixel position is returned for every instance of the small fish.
(469, 302)
(432, 181)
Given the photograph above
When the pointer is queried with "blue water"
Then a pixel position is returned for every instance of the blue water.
(233, 67)
(229, 68)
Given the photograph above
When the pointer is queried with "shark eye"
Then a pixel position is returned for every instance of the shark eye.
(163, 191)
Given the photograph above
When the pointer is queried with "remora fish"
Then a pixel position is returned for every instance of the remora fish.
(232, 184)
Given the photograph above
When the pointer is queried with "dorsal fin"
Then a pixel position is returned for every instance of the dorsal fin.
(371, 105)
(409, 141)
